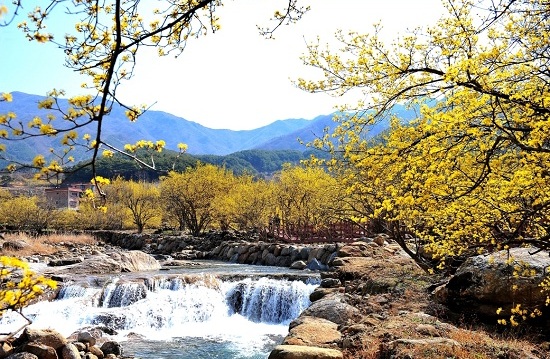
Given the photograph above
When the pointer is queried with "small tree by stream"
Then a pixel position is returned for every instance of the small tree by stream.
(190, 197)
(141, 199)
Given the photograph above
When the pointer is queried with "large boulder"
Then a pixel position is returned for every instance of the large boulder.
(70, 351)
(136, 261)
(313, 331)
(96, 264)
(49, 337)
(334, 311)
(42, 351)
(304, 352)
(485, 283)
(115, 262)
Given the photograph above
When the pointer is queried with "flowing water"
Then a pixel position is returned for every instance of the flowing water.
(213, 311)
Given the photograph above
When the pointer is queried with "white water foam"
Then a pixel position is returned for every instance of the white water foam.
(245, 313)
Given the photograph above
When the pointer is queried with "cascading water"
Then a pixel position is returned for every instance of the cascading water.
(183, 316)
(267, 300)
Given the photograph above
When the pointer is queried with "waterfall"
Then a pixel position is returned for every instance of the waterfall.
(75, 291)
(247, 312)
(158, 303)
(123, 294)
(268, 300)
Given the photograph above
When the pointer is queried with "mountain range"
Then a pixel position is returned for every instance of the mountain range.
(157, 125)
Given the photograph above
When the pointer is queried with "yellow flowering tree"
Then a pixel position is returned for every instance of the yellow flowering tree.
(193, 197)
(103, 46)
(248, 204)
(477, 155)
(26, 213)
(19, 287)
(306, 200)
(470, 174)
(140, 199)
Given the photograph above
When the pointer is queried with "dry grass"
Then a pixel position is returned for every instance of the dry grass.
(368, 351)
(69, 238)
(472, 344)
(490, 345)
(44, 245)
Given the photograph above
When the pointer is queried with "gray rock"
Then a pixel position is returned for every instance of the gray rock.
(65, 261)
(484, 283)
(313, 254)
(330, 283)
(285, 251)
(333, 310)
(70, 351)
(315, 265)
(320, 293)
(136, 261)
(86, 337)
(304, 253)
(294, 254)
(270, 259)
(111, 347)
(283, 261)
(298, 265)
(14, 245)
(337, 262)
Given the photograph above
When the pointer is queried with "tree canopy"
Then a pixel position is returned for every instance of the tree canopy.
(470, 174)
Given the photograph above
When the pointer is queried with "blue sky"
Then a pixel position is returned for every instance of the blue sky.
(244, 81)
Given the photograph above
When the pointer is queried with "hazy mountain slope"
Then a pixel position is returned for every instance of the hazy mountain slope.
(157, 125)
(316, 127)
(153, 125)
(306, 134)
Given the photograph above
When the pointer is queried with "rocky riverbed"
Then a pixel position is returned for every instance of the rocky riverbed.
(373, 301)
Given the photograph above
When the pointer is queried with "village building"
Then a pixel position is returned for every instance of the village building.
(64, 198)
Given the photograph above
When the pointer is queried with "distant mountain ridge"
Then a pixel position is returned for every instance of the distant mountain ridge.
(153, 125)
(158, 125)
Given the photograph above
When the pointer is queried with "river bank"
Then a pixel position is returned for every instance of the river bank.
(373, 301)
